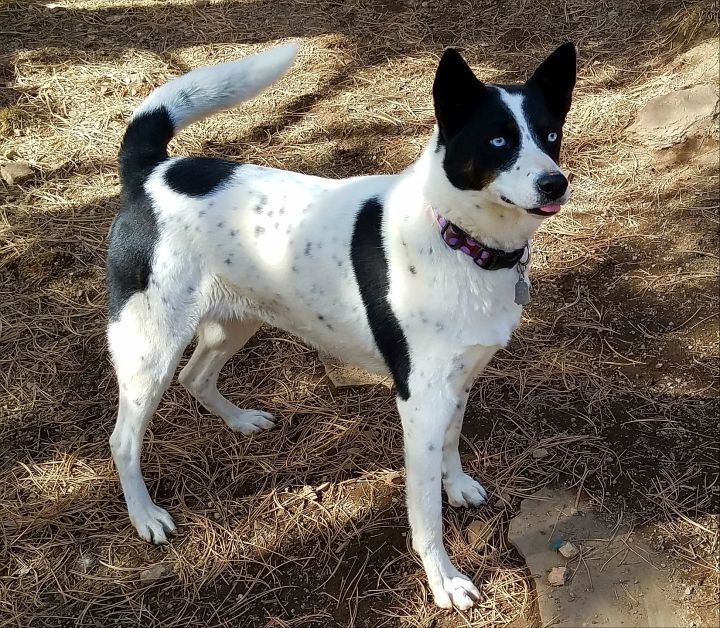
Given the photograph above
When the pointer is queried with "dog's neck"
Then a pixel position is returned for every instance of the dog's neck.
(489, 222)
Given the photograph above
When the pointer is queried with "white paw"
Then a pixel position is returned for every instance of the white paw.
(250, 421)
(462, 490)
(456, 590)
(152, 523)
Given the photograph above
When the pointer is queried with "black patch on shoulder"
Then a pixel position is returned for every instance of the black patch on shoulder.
(371, 272)
(199, 176)
(134, 232)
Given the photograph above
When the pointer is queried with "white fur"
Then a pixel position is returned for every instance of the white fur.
(221, 268)
(519, 182)
(212, 88)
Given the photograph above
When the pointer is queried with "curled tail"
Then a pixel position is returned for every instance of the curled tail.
(189, 98)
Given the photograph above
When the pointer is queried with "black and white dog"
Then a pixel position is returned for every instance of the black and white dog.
(421, 275)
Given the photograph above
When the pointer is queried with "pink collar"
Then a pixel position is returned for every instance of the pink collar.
(484, 256)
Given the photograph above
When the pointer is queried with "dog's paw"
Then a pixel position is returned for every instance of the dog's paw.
(462, 490)
(249, 422)
(153, 523)
(454, 590)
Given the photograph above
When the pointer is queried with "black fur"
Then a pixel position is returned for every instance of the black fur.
(470, 114)
(371, 272)
(134, 231)
(456, 92)
(555, 78)
(198, 176)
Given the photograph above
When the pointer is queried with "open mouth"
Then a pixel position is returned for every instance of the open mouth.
(544, 210)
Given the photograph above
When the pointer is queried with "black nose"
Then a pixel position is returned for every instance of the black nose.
(553, 186)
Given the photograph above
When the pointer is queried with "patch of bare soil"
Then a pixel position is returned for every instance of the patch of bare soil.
(613, 374)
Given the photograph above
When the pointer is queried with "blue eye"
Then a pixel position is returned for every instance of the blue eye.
(498, 141)
(552, 136)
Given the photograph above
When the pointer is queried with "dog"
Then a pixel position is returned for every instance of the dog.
(420, 275)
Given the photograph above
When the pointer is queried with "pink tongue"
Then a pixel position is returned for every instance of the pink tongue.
(550, 209)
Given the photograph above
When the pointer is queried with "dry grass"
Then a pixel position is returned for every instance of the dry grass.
(614, 371)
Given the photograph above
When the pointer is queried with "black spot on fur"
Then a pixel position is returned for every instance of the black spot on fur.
(308, 248)
(371, 272)
(412, 270)
(259, 230)
(199, 176)
(134, 232)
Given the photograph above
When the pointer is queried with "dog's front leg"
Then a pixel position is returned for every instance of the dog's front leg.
(461, 489)
(426, 415)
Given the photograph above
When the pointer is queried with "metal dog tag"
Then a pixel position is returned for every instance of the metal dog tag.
(522, 292)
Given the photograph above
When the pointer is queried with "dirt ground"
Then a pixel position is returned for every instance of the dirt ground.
(614, 371)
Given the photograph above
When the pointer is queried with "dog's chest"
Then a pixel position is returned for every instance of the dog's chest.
(441, 297)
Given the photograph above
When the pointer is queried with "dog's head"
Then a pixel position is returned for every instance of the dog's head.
(501, 144)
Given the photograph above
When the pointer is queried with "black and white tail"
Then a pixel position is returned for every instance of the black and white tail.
(191, 97)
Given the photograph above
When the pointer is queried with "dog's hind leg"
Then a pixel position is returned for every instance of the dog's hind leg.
(145, 342)
(218, 341)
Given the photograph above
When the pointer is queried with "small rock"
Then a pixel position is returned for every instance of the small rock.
(540, 452)
(85, 563)
(308, 492)
(343, 375)
(556, 577)
(154, 573)
(16, 172)
(568, 550)
(478, 533)
(689, 590)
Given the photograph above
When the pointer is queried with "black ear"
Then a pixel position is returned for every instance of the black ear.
(556, 78)
(456, 91)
